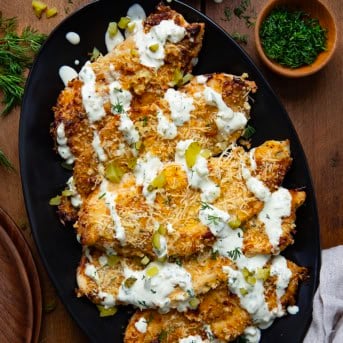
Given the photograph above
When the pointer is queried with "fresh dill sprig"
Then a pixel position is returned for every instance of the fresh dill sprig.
(241, 13)
(17, 52)
(4, 162)
(248, 132)
(240, 38)
(234, 254)
(228, 14)
(118, 108)
(205, 206)
(213, 219)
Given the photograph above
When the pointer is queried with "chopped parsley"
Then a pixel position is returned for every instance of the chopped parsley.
(101, 196)
(248, 132)
(240, 38)
(118, 108)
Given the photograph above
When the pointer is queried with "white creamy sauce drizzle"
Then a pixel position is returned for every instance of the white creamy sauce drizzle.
(110, 198)
(75, 198)
(67, 74)
(277, 205)
(191, 339)
(202, 79)
(165, 128)
(107, 299)
(103, 260)
(92, 272)
(153, 292)
(122, 98)
(211, 337)
(147, 168)
(163, 250)
(137, 14)
(293, 309)
(227, 120)
(93, 103)
(112, 42)
(198, 175)
(165, 31)
(254, 301)
(141, 325)
(73, 38)
(252, 334)
(96, 143)
(62, 142)
(180, 106)
(76, 62)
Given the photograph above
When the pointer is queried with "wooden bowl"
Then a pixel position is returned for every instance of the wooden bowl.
(315, 9)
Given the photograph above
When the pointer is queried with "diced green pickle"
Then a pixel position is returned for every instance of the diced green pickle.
(162, 230)
(194, 303)
(158, 182)
(112, 29)
(206, 153)
(187, 78)
(123, 22)
(129, 282)
(177, 77)
(106, 312)
(145, 260)
(67, 193)
(192, 153)
(156, 241)
(152, 271)
(132, 163)
(131, 27)
(262, 274)
(162, 259)
(243, 291)
(55, 201)
(234, 223)
(251, 280)
(112, 260)
(245, 272)
(154, 47)
(113, 172)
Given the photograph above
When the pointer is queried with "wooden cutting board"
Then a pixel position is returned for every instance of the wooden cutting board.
(16, 302)
(24, 251)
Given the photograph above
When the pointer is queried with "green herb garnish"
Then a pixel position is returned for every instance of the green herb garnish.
(16, 54)
(118, 108)
(234, 254)
(227, 13)
(240, 38)
(248, 132)
(95, 54)
(292, 38)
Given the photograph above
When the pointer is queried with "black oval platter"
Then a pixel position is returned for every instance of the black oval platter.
(43, 177)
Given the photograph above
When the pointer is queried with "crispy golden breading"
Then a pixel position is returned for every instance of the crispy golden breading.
(206, 274)
(146, 82)
(177, 205)
(218, 309)
(256, 240)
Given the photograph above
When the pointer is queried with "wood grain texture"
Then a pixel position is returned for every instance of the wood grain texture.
(314, 104)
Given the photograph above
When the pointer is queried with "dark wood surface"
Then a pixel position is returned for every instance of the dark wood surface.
(314, 104)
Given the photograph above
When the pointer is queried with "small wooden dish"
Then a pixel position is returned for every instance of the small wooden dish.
(315, 9)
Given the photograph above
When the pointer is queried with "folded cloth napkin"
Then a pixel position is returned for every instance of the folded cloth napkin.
(327, 322)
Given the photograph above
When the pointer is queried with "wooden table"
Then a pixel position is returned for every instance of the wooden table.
(314, 104)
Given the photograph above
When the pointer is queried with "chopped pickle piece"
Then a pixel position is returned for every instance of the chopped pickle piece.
(194, 303)
(112, 29)
(162, 230)
(262, 274)
(251, 280)
(131, 27)
(51, 12)
(106, 312)
(39, 7)
(234, 223)
(145, 260)
(243, 291)
(112, 260)
(67, 193)
(55, 201)
(132, 163)
(134, 52)
(158, 182)
(129, 282)
(156, 241)
(152, 271)
(205, 153)
(95, 54)
(245, 272)
(154, 47)
(162, 259)
(123, 22)
(177, 77)
(113, 172)
(187, 78)
(139, 145)
(192, 153)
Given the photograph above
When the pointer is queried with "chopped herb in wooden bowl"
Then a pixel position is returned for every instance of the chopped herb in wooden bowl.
(292, 38)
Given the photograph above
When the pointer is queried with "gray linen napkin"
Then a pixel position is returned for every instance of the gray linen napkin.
(327, 323)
